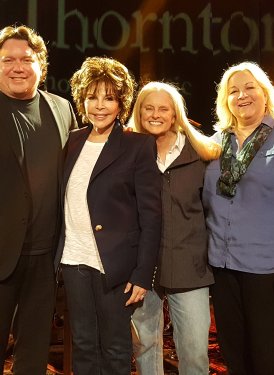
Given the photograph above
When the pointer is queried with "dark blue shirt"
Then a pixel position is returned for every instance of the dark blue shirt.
(241, 229)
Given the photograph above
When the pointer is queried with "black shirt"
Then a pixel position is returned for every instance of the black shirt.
(39, 138)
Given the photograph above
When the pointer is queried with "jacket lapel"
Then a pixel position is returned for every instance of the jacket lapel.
(188, 155)
(63, 130)
(9, 127)
(9, 124)
(110, 152)
(75, 147)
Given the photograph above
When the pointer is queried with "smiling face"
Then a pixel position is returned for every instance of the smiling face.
(246, 99)
(20, 71)
(157, 113)
(102, 107)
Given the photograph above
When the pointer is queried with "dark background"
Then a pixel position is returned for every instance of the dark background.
(187, 42)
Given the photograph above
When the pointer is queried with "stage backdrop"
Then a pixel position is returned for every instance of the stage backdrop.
(187, 42)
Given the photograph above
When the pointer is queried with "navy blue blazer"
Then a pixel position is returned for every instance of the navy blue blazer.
(124, 201)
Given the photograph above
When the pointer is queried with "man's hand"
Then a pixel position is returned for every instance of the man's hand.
(138, 293)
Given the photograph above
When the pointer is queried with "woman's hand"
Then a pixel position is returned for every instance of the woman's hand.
(138, 293)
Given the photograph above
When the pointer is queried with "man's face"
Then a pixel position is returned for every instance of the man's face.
(20, 70)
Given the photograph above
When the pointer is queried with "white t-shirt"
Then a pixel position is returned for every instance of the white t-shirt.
(80, 245)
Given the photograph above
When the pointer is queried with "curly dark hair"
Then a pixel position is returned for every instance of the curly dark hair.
(35, 42)
(114, 74)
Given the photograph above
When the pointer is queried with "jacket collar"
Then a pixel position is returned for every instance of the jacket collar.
(59, 119)
(110, 152)
(188, 155)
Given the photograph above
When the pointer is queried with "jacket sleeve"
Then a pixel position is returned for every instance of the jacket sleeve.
(148, 195)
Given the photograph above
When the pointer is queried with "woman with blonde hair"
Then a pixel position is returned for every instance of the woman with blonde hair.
(204, 146)
(238, 198)
(182, 275)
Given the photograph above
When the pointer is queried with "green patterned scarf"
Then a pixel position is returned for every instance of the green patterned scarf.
(232, 170)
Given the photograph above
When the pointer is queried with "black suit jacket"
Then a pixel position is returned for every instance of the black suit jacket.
(125, 204)
(14, 207)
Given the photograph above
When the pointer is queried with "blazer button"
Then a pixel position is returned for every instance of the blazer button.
(98, 227)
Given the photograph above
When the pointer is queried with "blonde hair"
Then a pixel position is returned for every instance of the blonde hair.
(35, 42)
(225, 118)
(114, 74)
(206, 148)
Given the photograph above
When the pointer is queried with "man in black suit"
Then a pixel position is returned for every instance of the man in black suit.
(34, 127)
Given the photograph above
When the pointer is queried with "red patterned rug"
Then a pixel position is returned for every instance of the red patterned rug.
(55, 365)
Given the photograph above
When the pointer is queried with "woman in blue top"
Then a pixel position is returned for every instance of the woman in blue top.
(238, 198)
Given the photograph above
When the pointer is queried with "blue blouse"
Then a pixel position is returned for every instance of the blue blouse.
(241, 228)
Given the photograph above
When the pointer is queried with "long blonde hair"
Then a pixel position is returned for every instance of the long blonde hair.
(206, 148)
(225, 118)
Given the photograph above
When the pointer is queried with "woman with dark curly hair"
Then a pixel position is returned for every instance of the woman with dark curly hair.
(112, 219)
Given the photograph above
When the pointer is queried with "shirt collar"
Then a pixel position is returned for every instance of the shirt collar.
(179, 143)
(269, 121)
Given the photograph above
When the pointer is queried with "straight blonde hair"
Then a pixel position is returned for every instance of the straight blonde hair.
(206, 148)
